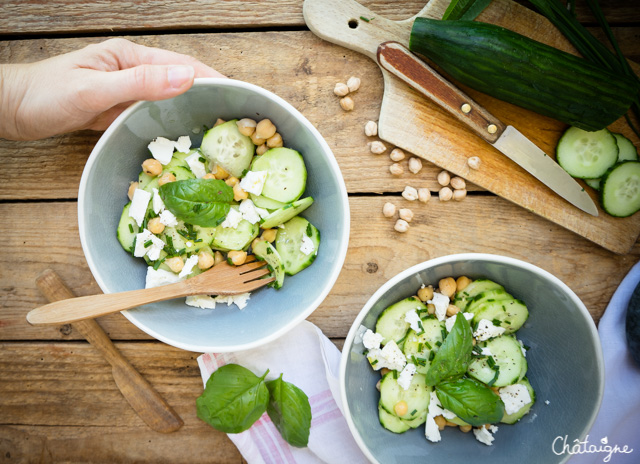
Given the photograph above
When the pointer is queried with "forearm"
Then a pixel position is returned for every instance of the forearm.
(13, 86)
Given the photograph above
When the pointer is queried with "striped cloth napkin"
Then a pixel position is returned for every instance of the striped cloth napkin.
(310, 361)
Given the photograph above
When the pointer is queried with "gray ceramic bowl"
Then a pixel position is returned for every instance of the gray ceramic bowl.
(116, 160)
(565, 368)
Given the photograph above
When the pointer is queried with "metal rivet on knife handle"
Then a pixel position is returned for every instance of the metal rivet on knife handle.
(466, 108)
(492, 129)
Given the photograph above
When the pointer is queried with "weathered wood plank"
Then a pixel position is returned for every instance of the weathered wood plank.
(59, 403)
(117, 16)
(41, 235)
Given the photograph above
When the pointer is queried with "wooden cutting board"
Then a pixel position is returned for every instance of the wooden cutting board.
(413, 123)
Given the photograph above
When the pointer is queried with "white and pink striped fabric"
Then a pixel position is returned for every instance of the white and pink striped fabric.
(310, 361)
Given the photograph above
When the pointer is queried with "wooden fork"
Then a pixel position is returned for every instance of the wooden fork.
(222, 279)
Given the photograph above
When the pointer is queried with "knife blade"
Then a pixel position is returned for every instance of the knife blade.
(401, 62)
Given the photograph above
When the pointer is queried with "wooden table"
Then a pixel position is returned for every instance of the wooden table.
(58, 402)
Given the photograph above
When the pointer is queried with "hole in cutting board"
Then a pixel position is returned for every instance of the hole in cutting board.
(353, 23)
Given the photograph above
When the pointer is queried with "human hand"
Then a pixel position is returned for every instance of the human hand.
(89, 88)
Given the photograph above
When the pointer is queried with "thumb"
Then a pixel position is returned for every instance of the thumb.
(144, 82)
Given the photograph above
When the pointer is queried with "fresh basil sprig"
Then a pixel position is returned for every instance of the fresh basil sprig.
(454, 356)
(471, 401)
(203, 202)
(289, 411)
(234, 398)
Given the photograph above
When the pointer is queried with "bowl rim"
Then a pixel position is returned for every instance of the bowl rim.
(348, 343)
(333, 164)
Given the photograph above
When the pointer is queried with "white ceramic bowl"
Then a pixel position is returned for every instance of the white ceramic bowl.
(565, 368)
(116, 160)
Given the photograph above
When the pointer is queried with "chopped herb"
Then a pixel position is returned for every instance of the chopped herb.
(290, 205)
(428, 345)
(526, 347)
(202, 160)
(421, 326)
(432, 355)
(507, 322)
(148, 243)
(244, 172)
(309, 230)
(197, 207)
(130, 228)
(133, 246)
(395, 374)
(269, 251)
(491, 362)
(374, 362)
(495, 377)
(414, 411)
(438, 344)
(158, 262)
(420, 346)
(496, 322)
(198, 240)
(366, 20)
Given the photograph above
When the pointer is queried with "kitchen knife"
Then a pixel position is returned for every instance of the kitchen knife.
(401, 62)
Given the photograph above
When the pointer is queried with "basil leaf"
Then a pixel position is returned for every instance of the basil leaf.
(289, 411)
(465, 9)
(471, 401)
(454, 356)
(233, 399)
(203, 202)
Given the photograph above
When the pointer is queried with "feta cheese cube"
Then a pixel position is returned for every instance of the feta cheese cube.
(452, 320)
(412, 318)
(162, 149)
(441, 302)
(307, 247)
(188, 266)
(197, 167)
(253, 182)
(436, 408)
(239, 300)
(487, 330)
(156, 278)
(522, 348)
(249, 212)
(168, 219)
(201, 301)
(486, 352)
(233, 219)
(431, 430)
(158, 204)
(404, 379)
(514, 397)
(139, 205)
(371, 340)
(390, 357)
(484, 436)
(183, 144)
(143, 247)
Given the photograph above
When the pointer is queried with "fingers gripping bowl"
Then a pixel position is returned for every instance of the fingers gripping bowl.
(116, 160)
(563, 356)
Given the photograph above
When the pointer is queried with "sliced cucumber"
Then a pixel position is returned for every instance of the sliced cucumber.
(593, 183)
(179, 241)
(418, 347)
(508, 313)
(266, 251)
(474, 288)
(289, 243)
(181, 172)
(286, 174)
(416, 396)
(227, 238)
(178, 160)
(127, 229)
(224, 145)
(267, 203)
(489, 296)
(145, 179)
(391, 422)
(626, 149)
(507, 354)
(391, 324)
(587, 155)
(282, 215)
(620, 192)
(519, 414)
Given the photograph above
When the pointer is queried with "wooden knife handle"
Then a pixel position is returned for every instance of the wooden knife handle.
(142, 397)
(398, 60)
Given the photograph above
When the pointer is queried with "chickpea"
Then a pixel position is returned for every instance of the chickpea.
(401, 408)
(377, 147)
(384, 371)
(175, 264)
(447, 286)
(152, 167)
(353, 83)
(209, 175)
(237, 257)
(246, 126)
(262, 149)
(462, 282)
(155, 226)
(396, 155)
(371, 129)
(465, 428)
(378, 384)
(239, 194)
(231, 181)
(389, 209)
(450, 424)
(458, 183)
(257, 141)
(425, 293)
(346, 103)
(205, 260)
(452, 310)
(444, 178)
(415, 165)
(275, 141)
(459, 195)
(406, 214)
(219, 121)
(341, 89)
(445, 194)
(166, 178)
(132, 188)
(431, 309)
(396, 169)
(401, 226)
(269, 235)
(474, 162)
(441, 422)
(410, 193)
(220, 172)
(424, 194)
(265, 129)
(217, 258)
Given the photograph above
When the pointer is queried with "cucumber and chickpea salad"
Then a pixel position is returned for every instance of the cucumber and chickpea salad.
(608, 162)
(238, 193)
(450, 357)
